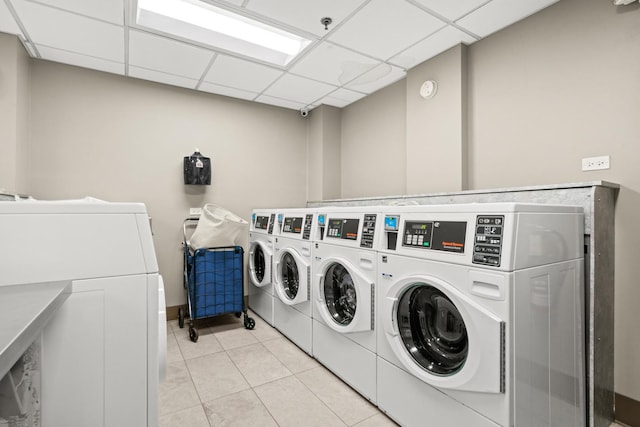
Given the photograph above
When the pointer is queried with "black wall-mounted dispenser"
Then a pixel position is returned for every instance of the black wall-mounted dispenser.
(197, 169)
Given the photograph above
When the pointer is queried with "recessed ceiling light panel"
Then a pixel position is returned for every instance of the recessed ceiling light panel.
(220, 28)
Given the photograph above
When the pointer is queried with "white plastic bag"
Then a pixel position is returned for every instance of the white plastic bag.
(218, 226)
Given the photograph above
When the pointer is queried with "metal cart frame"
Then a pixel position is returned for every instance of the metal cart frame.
(215, 275)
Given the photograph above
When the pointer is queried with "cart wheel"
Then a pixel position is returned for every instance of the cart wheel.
(193, 334)
(249, 323)
(238, 314)
(181, 317)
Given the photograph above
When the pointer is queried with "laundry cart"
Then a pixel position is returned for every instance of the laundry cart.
(213, 279)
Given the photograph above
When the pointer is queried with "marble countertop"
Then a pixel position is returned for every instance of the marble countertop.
(24, 312)
(479, 191)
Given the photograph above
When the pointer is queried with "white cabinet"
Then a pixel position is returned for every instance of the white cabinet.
(95, 355)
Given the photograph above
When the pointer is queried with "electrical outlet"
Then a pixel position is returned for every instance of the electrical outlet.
(595, 163)
(195, 211)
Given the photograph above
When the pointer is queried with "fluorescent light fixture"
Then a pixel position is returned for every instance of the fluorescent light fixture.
(220, 28)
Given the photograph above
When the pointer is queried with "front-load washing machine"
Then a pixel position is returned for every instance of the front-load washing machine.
(292, 275)
(344, 266)
(480, 315)
(260, 263)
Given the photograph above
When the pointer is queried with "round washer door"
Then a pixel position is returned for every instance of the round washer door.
(292, 273)
(260, 259)
(432, 330)
(442, 336)
(344, 296)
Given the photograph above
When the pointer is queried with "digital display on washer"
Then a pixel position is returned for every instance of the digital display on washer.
(262, 222)
(446, 236)
(343, 228)
(292, 225)
(391, 222)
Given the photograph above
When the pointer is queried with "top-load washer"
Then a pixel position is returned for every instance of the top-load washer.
(480, 315)
(292, 275)
(344, 266)
(260, 263)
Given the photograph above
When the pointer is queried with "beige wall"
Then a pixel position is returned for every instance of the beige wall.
(14, 116)
(373, 144)
(314, 154)
(122, 139)
(332, 153)
(323, 158)
(436, 143)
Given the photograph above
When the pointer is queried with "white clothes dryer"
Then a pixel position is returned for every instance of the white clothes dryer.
(104, 350)
(480, 315)
(344, 265)
(261, 262)
(292, 275)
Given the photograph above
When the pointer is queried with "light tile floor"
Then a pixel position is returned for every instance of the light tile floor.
(238, 377)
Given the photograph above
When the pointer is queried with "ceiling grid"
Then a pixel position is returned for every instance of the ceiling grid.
(368, 45)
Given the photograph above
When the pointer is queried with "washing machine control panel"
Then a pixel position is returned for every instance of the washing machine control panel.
(446, 236)
(340, 228)
(262, 222)
(272, 221)
(347, 228)
(292, 224)
(487, 247)
(306, 232)
(368, 231)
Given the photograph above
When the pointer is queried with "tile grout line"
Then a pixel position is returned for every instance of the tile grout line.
(319, 398)
(253, 388)
(197, 392)
(184, 361)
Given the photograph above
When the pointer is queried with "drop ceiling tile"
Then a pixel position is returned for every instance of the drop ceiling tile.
(499, 14)
(238, 73)
(347, 95)
(7, 23)
(334, 102)
(166, 55)
(333, 64)
(264, 99)
(227, 91)
(431, 46)
(341, 98)
(384, 28)
(111, 10)
(78, 60)
(381, 76)
(160, 77)
(67, 31)
(305, 14)
(299, 89)
(452, 10)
